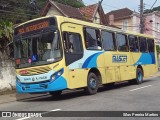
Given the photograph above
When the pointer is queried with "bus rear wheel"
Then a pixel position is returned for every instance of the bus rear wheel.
(55, 93)
(139, 77)
(92, 84)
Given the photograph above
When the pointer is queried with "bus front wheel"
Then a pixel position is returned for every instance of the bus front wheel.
(92, 84)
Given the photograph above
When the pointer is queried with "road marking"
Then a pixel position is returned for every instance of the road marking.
(141, 88)
(42, 113)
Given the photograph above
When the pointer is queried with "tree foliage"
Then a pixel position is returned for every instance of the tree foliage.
(18, 11)
(6, 29)
(6, 33)
(154, 9)
(73, 3)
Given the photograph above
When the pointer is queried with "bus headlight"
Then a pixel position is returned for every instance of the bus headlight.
(57, 74)
(53, 77)
(60, 73)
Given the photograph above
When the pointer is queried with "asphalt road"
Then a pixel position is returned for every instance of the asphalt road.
(122, 97)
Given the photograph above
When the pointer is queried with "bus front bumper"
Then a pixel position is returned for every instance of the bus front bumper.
(56, 85)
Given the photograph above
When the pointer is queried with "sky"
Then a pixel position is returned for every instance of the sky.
(109, 5)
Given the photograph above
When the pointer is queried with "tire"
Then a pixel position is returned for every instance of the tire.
(55, 93)
(139, 77)
(92, 84)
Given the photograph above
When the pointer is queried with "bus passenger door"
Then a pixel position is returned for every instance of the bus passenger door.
(123, 57)
(124, 65)
(73, 52)
(112, 68)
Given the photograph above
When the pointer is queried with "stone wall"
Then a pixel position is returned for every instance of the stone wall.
(7, 74)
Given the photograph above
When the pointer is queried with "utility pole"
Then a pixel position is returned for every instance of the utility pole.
(141, 16)
(101, 2)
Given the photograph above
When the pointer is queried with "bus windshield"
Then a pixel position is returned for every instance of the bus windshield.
(37, 49)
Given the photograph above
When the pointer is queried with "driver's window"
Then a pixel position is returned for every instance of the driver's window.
(72, 43)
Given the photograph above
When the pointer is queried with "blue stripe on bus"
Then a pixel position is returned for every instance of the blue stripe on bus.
(146, 58)
(91, 61)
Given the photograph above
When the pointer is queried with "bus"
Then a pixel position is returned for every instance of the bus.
(56, 53)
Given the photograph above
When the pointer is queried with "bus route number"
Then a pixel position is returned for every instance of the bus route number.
(119, 58)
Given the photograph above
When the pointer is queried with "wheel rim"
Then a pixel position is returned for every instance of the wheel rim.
(93, 83)
(140, 76)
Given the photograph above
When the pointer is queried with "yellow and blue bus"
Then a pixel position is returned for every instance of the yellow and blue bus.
(56, 53)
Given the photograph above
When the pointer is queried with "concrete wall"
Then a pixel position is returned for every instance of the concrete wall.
(119, 23)
(7, 74)
(133, 23)
(97, 18)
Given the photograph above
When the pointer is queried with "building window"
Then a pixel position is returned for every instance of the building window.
(108, 40)
(125, 25)
(122, 42)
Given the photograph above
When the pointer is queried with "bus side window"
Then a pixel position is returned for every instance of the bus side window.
(143, 44)
(108, 39)
(92, 39)
(72, 43)
(133, 43)
(75, 43)
(65, 42)
(122, 42)
(151, 45)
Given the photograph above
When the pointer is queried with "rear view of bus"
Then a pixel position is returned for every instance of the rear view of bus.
(38, 57)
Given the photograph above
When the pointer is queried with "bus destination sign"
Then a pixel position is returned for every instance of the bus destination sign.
(33, 27)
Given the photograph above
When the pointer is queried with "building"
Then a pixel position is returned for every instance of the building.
(152, 24)
(92, 13)
(129, 20)
(125, 19)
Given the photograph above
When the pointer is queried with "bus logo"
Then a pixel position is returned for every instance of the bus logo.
(119, 58)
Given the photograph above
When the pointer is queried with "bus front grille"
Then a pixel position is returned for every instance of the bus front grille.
(35, 71)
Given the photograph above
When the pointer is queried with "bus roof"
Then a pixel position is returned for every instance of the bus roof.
(40, 18)
(72, 20)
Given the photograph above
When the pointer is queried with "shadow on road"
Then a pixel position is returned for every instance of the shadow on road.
(69, 94)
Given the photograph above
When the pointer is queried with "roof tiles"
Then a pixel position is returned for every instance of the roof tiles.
(121, 13)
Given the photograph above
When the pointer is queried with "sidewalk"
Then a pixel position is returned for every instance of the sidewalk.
(7, 98)
(16, 97)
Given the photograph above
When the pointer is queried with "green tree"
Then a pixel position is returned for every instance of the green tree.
(19, 11)
(73, 3)
(6, 34)
(6, 30)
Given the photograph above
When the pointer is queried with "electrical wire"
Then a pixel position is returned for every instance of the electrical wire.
(153, 5)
